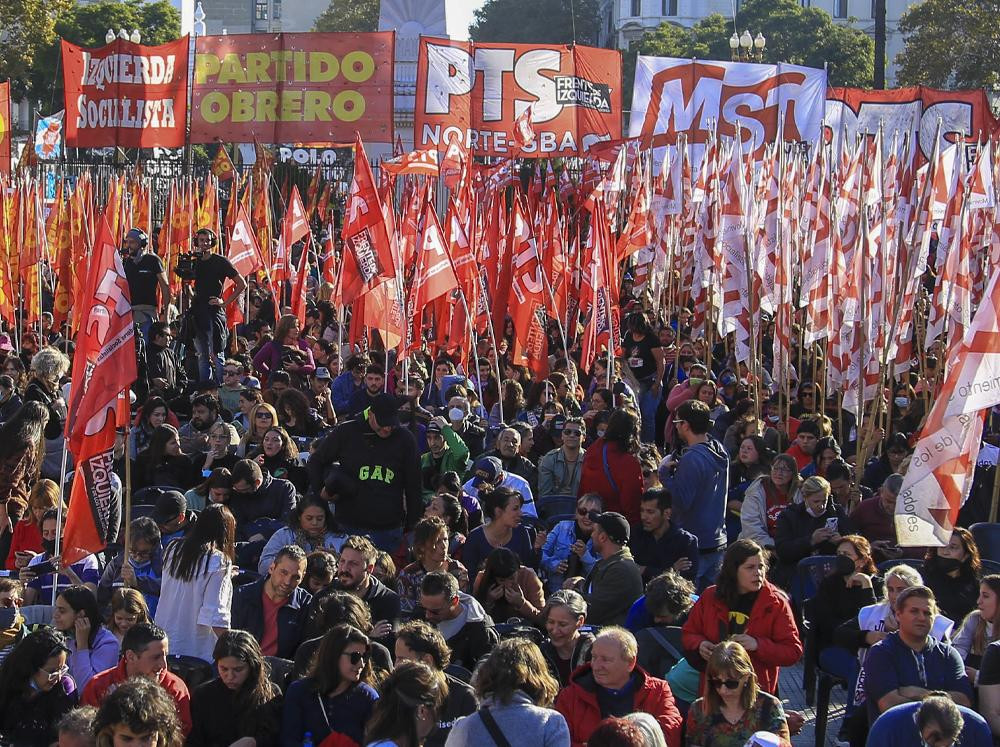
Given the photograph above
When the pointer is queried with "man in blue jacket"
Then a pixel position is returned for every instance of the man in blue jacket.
(907, 664)
(274, 609)
(699, 482)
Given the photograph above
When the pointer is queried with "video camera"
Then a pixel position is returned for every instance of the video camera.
(186, 265)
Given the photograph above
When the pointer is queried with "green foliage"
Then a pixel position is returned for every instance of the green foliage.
(537, 21)
(801, 36)
(86, 25)
(28, 31)
(349, 15)
(951, 44)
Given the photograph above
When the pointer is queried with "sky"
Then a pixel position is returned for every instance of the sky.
(464, 11)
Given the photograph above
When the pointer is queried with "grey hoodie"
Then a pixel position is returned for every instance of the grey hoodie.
(472, 611)
(699, 486)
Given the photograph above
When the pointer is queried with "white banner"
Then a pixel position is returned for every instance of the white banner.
(698, 96)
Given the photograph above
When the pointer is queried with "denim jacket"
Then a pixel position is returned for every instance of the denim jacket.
(557, 549)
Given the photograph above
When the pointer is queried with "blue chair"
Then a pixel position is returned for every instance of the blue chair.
(550, 505)
(987, 537)
(141, 510)
(990, 566)
(805, 583)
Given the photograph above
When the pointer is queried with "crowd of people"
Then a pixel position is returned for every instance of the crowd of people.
(324, 545)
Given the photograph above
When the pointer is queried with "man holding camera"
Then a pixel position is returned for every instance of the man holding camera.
(210, 273)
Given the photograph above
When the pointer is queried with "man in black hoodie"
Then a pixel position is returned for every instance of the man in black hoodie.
(354, 575)
(379, 462)
(257, 496)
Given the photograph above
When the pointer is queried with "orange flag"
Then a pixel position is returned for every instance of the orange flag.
(222, 165)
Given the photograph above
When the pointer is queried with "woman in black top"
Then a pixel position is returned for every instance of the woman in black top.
(280, 458)
(952, 572)
(35, 689)
(163, 463)
(241, 701)
(841, 595)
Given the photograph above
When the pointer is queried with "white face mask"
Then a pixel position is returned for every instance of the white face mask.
(902, 401)
(456, 414)
(815, 514)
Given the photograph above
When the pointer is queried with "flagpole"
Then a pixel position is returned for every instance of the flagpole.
(57, 552)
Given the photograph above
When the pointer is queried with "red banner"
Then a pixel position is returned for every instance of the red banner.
(287, 88)
(5, 128)
(126, 94)
(477, 92)
(913, 111)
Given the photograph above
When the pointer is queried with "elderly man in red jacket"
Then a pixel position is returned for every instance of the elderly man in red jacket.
(612, 684)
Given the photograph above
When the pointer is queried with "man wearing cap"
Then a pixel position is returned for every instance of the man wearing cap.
(446, 453)
(488, 473)
(560, 469)
(381, 461)
(320, 396)
(615, 581)
(172, 516)
(145, 273)
(349, 382)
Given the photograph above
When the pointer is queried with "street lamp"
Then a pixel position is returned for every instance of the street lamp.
(747, 48)
(136, 37)
(110, 36)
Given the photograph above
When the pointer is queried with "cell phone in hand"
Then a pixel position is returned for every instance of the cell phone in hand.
(832, 523)
(42, 569)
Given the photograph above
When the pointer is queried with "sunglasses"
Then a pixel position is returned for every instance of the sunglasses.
(583, 511)
(356, 657)
(568, 432)
(231, 373)
(728, 684)
(263, 416)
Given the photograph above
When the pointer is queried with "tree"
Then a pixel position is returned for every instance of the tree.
(537, 22)
(158, 22)
(801, 36)
(950, 44)
(349, 15)
(28, 29)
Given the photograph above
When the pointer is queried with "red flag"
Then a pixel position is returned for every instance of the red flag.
(103, 367)
(524, 133)
(244, 251)
(454, 163)
(365, 235)
(299, 289)
(417, 163)
(435, 276)
(295, 226)
(528, 310)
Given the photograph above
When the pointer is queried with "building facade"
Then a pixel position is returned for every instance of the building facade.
(625, 21)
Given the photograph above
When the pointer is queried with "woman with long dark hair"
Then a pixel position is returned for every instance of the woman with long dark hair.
(744, 607)
(35, 689)
(299, 419)
(92, 647)
(952, 572)
(279, 456)
(611, 466)
(241, 702)
(197, 588)
(217, 488)
(22, 450)
(981, 627)
(163, 463)
(411, 698)
(508, 589)
(311, 526)
(337, 696)
(152, 415)
(286, 351)
(502, 506)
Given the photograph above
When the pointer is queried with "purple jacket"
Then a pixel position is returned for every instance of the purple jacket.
(268, 359)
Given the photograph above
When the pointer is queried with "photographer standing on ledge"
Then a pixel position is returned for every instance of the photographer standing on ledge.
(145, 273)
(208, 307)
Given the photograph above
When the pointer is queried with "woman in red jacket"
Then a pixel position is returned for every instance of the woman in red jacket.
(611, 466)
(744, 607)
